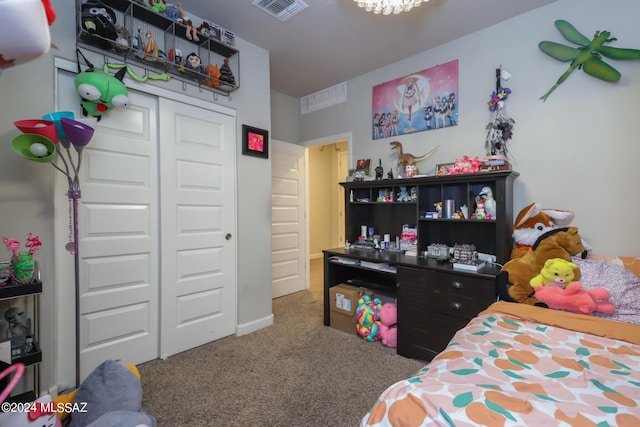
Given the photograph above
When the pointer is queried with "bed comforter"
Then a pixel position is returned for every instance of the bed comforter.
(519, 365)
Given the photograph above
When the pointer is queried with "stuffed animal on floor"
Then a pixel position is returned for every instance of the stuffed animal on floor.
(517, 273)
(368, 318)
(41, 416)
(532, 222)
(574, 299)
(555, 271)
(111, 396)
(389, 324)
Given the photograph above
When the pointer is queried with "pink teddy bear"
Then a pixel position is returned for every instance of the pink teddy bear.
(388, 324)
(575, 299)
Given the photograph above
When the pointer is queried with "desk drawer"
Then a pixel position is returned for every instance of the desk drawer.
(459, 285)
(457, 306)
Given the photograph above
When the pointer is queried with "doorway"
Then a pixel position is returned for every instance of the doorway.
(328, 165)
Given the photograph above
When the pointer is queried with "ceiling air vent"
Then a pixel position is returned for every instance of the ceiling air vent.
(324, 98)
(281, 9)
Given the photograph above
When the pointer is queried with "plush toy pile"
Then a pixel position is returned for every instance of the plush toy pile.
(555, 287)
(517, 273)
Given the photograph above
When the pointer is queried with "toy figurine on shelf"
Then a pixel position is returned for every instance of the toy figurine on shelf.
(158, 6)
(172, 12)
(403, 195)
(151, 51)
(191, 32)
(226, 75)
(213, 74)
(136, 43)
(438, 206)
(122, 41)
(175, 56)
(194, 64)
(19, 323)
(18, 330)
(379, 171)
(480, 212)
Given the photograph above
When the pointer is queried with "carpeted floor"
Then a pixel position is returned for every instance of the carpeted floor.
(297, 372)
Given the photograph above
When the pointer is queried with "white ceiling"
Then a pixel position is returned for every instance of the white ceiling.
(332, 41)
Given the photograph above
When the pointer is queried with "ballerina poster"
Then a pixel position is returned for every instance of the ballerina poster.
(420, 101)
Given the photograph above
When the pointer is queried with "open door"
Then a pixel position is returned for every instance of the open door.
(288, 229)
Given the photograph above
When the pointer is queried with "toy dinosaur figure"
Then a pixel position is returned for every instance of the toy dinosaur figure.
(406, 159)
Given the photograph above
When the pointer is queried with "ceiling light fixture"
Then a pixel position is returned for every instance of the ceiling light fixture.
(386, 7)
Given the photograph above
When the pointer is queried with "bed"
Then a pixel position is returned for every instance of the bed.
(520, 365)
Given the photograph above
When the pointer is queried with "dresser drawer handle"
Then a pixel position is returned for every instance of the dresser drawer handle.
(456, 285)
(456, 305)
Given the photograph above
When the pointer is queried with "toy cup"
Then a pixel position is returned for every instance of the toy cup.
(45, 128)
(29, 146)
(78, 133)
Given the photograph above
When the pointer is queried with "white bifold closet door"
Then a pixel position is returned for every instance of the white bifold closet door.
(157, 231)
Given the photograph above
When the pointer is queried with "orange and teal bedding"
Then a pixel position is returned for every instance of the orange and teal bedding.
(519, 365)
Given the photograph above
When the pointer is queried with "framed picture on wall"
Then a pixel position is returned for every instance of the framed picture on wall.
(255, 142)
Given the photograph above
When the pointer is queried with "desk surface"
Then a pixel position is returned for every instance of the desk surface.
(399, 259)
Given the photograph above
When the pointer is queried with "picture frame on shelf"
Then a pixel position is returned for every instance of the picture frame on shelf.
(255, 142)
(441, 168)
(363, 165)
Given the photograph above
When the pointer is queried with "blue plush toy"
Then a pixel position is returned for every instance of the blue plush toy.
(112, 397)
(368, 318)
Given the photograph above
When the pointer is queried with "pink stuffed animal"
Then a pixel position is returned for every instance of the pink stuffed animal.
(574, 299)
(388, 327)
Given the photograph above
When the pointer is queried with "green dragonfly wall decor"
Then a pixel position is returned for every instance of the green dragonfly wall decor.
(588, 56)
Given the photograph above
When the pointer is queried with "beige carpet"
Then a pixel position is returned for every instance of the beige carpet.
(297, 372)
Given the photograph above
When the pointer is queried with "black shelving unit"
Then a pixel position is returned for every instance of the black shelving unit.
(168, 34)
(34, 357)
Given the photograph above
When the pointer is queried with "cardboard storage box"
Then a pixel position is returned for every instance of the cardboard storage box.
(344, 302)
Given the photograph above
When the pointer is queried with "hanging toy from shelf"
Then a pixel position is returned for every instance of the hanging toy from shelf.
(99, 90)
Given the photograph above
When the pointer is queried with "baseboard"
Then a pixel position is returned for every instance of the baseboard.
(256, 325)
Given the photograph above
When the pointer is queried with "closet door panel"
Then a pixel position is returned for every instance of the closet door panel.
(198, 289)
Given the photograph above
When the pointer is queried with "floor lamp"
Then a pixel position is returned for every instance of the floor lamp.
(40, 142)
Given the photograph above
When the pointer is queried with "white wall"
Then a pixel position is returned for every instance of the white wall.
(27, 195)
(578, 150)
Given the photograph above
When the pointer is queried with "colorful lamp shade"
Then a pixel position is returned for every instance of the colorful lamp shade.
(45, 128)
(78, 133)
(55, 117)
(33, 146)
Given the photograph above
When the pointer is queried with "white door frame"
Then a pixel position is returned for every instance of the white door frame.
(64, 356)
